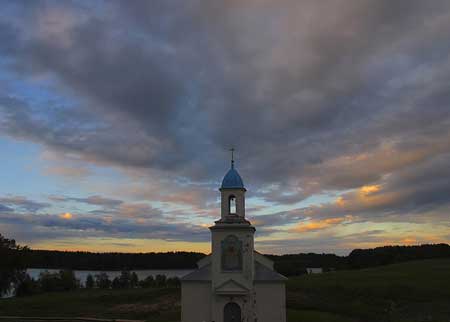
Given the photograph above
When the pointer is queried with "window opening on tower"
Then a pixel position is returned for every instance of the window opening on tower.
(232, 205)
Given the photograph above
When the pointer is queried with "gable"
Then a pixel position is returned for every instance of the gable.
(265, 274)
(202, 274)
(204, 261)
(231, 287)
(263, 260)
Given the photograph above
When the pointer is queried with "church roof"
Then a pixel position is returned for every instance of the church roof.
(265, 274)
(262, 274)
(232, 179)
(201, 274)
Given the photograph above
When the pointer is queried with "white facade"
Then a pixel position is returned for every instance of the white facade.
(234, 283)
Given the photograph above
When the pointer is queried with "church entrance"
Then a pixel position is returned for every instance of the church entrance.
(232, 312)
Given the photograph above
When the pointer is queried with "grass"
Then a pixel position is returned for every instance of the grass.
(405, 292)
(408, 292)
(315, 316)
(153, 305)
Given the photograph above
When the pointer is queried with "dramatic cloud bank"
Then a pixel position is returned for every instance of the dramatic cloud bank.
(339, 112)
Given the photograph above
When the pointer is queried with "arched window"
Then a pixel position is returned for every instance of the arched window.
(232, 205)
(232, 312)
(231, 254)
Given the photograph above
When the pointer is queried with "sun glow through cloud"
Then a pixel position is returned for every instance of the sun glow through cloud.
(368, 190)
(66, 215)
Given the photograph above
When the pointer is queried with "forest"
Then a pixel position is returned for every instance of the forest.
(110, 261)
(295, 264)
(289, 264)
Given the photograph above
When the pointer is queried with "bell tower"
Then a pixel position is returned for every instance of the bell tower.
(234, 283)
(232, 195)
(232, 257)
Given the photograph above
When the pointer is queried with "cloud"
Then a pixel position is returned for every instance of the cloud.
(95, 200)
(341, 244)
(4, 208)
(319, 224)
(335, 98)
(23, 204)
(112, 208)
(164, 125)
(83, 226)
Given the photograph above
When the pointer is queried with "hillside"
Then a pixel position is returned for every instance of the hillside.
(411, 291)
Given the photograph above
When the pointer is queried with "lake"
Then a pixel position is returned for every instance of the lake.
(142, 274)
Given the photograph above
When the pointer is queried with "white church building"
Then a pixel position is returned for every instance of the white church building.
(234, 283)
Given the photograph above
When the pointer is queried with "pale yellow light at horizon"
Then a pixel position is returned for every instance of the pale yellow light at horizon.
(121, 245)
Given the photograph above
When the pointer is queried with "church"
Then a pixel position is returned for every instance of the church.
(234, 283)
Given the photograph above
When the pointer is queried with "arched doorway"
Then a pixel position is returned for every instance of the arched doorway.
(232, 312)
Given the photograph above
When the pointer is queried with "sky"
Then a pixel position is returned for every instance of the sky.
(116, 120)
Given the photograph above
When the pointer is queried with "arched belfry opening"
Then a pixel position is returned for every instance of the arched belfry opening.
(232, 205)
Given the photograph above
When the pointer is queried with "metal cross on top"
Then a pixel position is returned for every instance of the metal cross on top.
(232, 157)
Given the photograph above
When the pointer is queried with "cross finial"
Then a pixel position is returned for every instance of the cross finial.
(232, 157)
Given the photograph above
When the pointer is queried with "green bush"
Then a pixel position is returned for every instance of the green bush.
(64, 280)
(160, 280)
(102, 281)
(90, 283)
(148, 282)
(27, 286)
(134, 280)
(173, 282)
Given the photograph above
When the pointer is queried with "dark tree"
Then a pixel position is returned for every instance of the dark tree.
(125, 279)
(12, 265)
(64, 280)
(134, 280)
(147, 282)
(27, 286)
(173, 282)
(102, 280)
(116, 284)
(90, 283)
(68, 280)
(160, 280)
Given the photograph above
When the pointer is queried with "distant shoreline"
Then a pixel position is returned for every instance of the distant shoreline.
(288, 265)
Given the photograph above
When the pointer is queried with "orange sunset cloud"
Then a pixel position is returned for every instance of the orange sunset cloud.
(320, 224)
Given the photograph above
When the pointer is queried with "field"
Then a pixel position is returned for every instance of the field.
(406, 292)
(156, 305)
(409, 292)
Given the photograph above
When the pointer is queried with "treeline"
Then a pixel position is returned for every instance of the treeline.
(289, 265)
(363, 258)
(65, 280)
(16, 258)
(110, 261)
(296, 264)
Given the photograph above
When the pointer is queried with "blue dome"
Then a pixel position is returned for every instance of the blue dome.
(232, 180)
